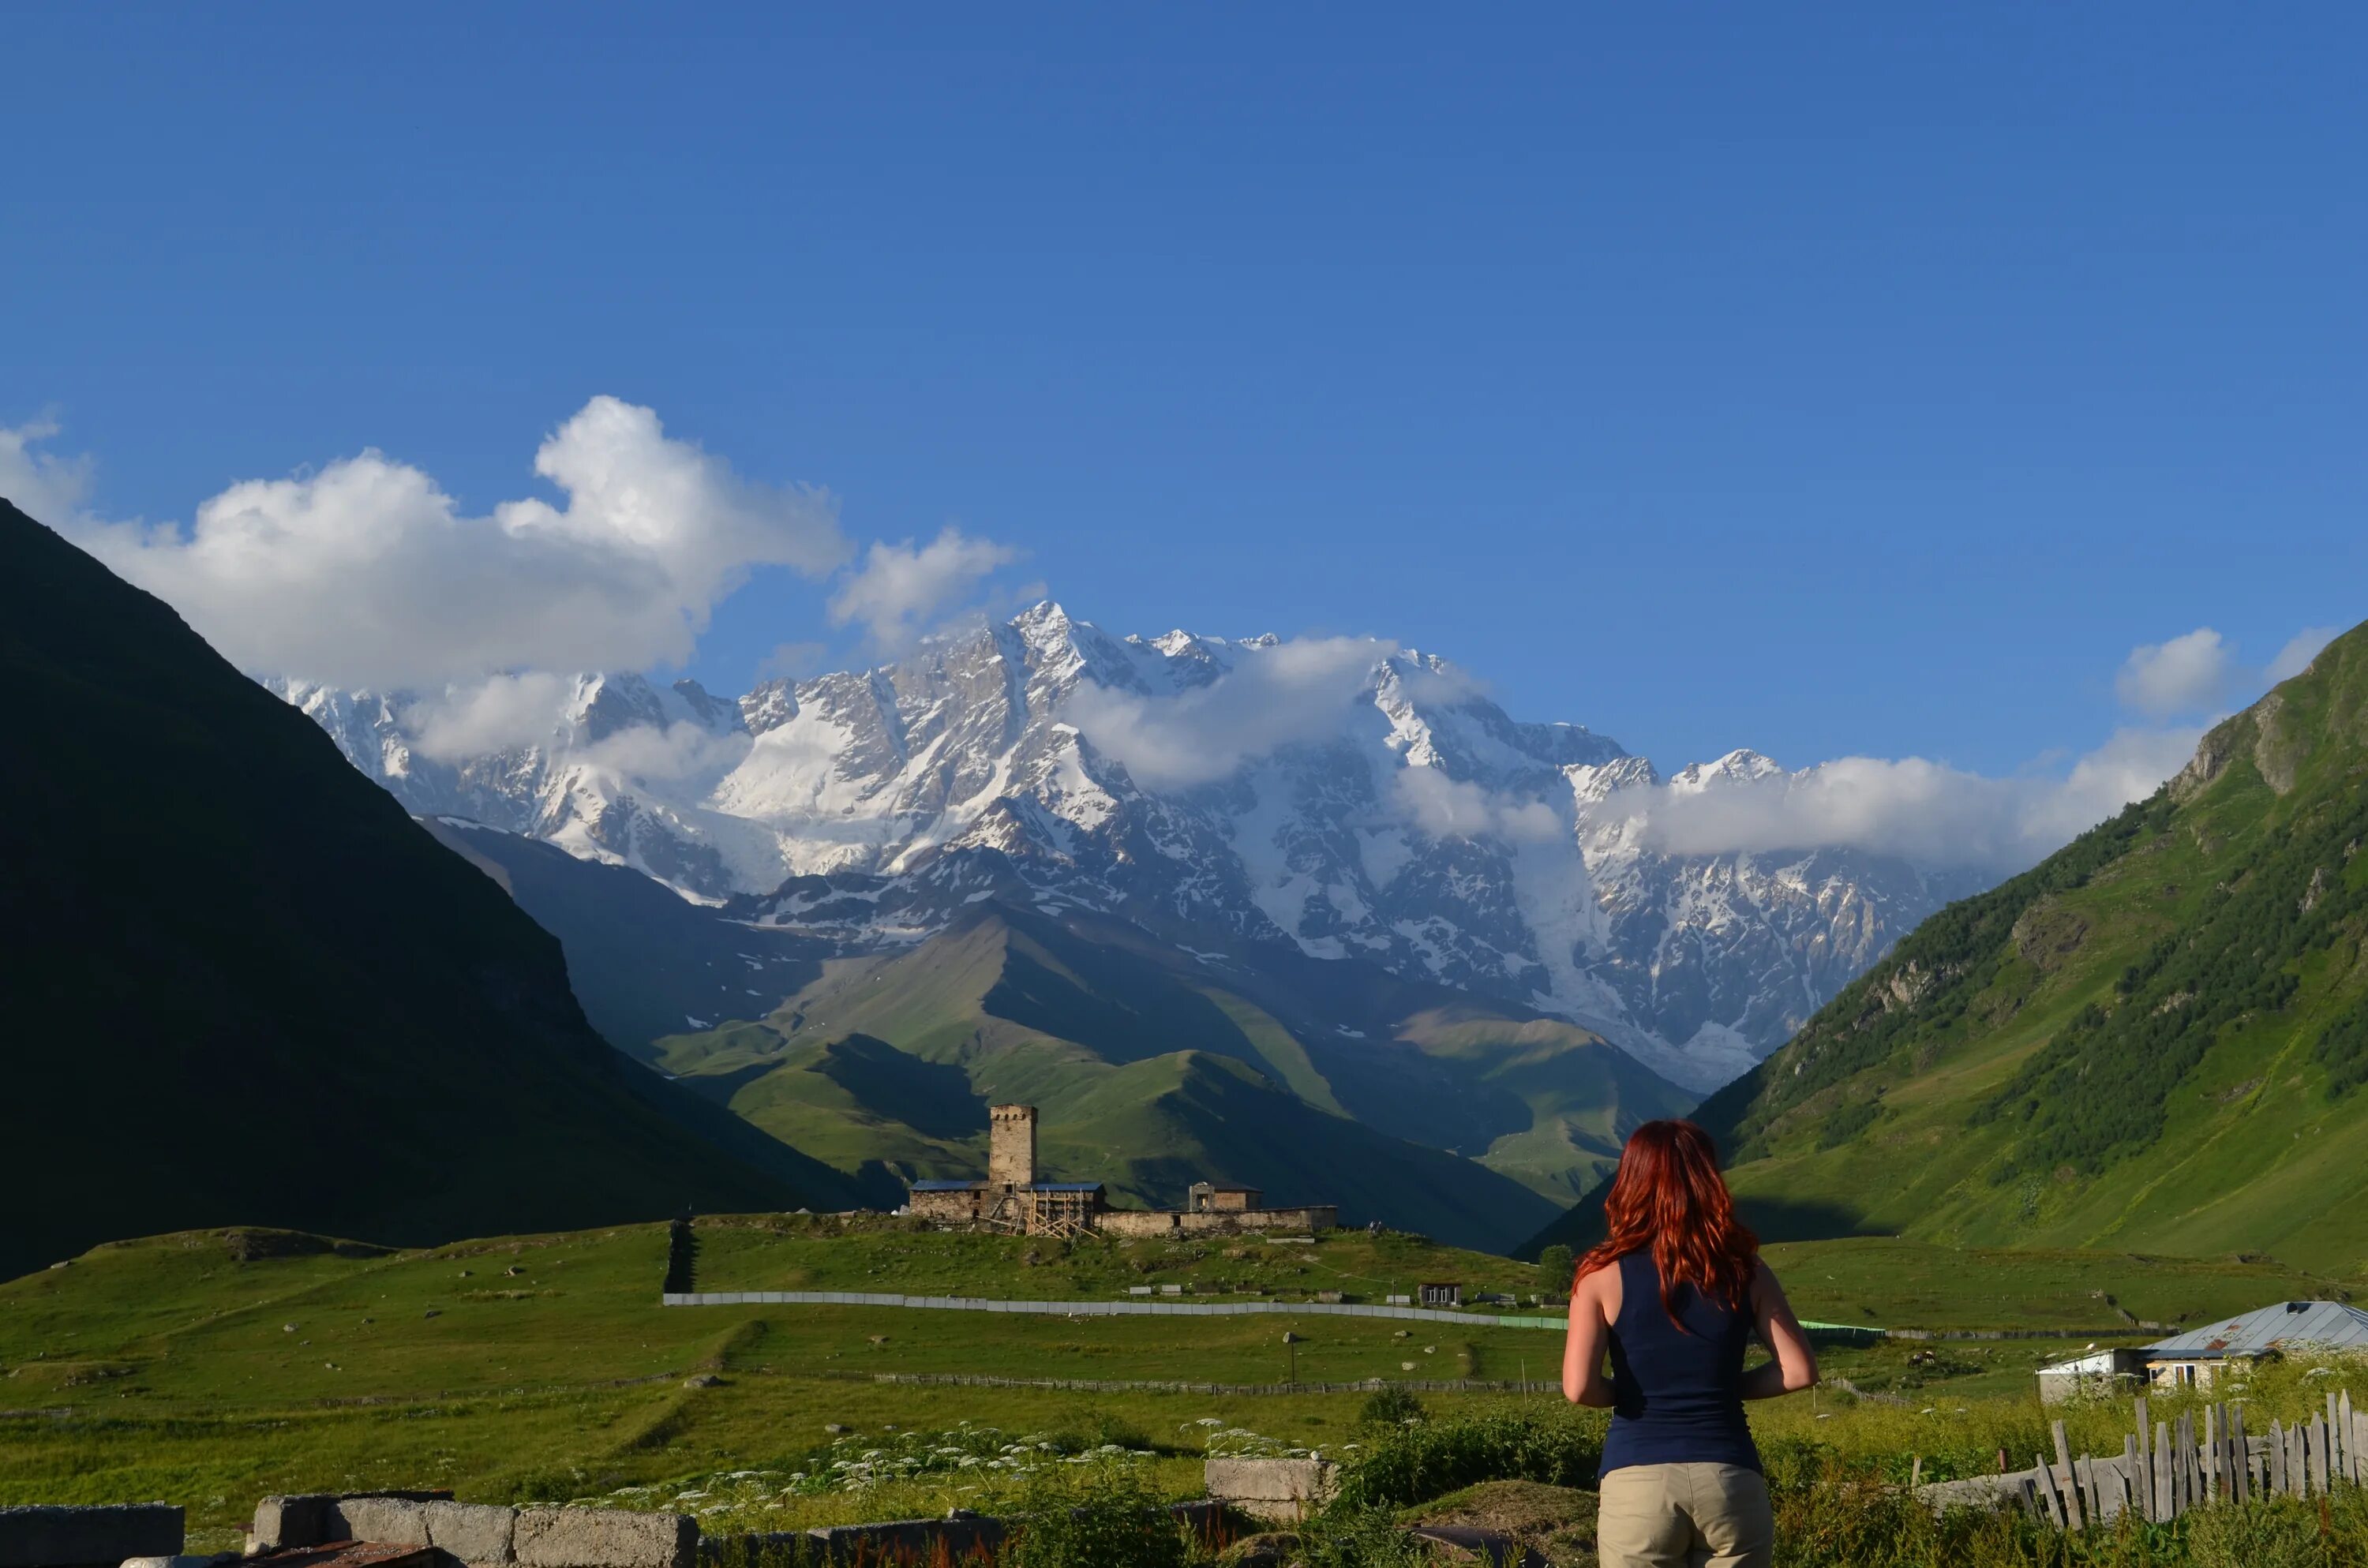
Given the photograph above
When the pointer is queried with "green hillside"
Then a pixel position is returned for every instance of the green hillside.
(211, 1368)
(2156, 1039)
(242, 986)
(1154, 1068)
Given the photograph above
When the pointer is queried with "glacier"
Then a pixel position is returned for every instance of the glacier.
(1350, 797)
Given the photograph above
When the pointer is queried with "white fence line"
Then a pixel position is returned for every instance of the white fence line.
(1093, 1309)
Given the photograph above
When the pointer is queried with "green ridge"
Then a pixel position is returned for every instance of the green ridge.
(2156, 1040)
(1153, 1069)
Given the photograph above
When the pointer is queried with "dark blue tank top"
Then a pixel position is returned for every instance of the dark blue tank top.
(1676, 1398)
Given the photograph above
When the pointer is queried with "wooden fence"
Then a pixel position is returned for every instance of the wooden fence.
(2167, 1468)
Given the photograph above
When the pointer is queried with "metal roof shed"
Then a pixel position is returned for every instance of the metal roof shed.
(2192, 1358)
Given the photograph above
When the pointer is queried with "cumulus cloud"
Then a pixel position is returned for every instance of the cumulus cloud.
(1435, 804)
(680, 751)
(2299, 651)
(502, 712)
(499, 713)
(367, 573)
(2186, 674)
(45, 488)
(1923, 811)
(1296, 690)
(901, 590)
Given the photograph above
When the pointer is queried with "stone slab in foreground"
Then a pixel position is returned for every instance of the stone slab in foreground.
(48, 1536)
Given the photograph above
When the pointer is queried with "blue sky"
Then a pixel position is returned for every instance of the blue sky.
(1844, 381)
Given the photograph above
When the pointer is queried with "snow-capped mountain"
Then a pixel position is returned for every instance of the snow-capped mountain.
(1348, 797)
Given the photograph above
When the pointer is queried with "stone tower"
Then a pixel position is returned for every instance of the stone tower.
(1011, 1146)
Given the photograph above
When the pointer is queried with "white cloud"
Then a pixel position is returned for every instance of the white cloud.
(2187, 675)
(2296, 656)
(482, 717)
(1296, 690)
(1926, 811)
(680, 751)
(899, 590)
(498, 714)
(45, 488)
(366, 574)
(1450, 808)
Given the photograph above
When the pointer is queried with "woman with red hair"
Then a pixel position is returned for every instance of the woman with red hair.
(1674, 1295)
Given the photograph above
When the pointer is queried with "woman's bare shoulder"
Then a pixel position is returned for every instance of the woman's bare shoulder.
(1601, 1286)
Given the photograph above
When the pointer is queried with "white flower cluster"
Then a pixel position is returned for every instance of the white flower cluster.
(1224, 1442)
(855, 1464)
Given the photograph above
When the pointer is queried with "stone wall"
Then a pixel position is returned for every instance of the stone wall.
(481, 1535)
(1215, 1222)
(963, 1208)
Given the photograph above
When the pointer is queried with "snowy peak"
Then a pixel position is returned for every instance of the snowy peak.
(1736, 767)
(1343, 796)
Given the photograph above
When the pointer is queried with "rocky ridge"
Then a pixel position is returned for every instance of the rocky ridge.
(1349, 798)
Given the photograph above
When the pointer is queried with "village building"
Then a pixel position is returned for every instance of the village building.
(1011, 1199)
(2192, 1359)
(2197, 1358)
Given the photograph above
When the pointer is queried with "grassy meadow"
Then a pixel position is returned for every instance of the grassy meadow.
(212, 1368)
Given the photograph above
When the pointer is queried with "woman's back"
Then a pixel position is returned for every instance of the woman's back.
(1677, 1392)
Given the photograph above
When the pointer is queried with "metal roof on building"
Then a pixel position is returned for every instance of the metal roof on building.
(1065, 1187)
(2287, 1326)
(945, 1186)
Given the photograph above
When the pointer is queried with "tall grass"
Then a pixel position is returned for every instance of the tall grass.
(1395, 1467)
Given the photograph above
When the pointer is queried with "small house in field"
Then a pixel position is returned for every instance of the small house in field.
(2195, 1358)
(1442, 1293)
(2097, 1372)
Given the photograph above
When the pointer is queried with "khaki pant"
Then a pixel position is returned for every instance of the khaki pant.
(1684, 1515)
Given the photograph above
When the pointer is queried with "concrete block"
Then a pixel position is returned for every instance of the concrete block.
(381, 1519)
(49, 1537)
(314, 1518)
(477, 1533)
(604, 1538)
(282, 1520)
(1272, 1489)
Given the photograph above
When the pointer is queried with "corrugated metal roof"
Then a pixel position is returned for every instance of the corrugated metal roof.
(946, 1186)
(1066, 1186)
(2287, 1326)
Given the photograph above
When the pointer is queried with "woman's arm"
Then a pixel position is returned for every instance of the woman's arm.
(1594, 1305)
(1795, 1366)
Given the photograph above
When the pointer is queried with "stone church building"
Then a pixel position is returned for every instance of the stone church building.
(1011, 1198)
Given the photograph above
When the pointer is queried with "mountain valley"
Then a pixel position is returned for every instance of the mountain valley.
(2156, 1039)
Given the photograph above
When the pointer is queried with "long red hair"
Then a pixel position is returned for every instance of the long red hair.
(1668, 1195)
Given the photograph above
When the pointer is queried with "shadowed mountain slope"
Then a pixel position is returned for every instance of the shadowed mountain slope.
(243, 987)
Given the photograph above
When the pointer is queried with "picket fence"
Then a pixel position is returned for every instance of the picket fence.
(2167, 1468)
